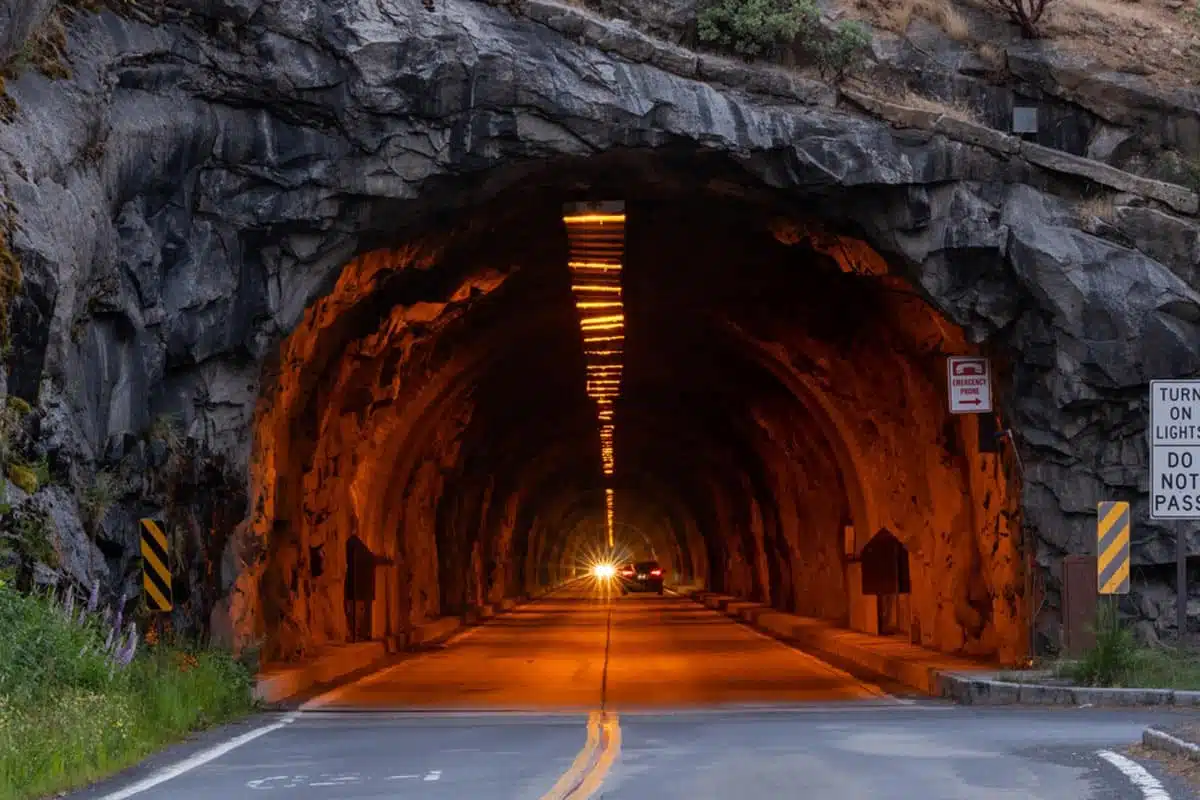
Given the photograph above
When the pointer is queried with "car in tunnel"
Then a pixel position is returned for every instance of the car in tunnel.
(641, 576)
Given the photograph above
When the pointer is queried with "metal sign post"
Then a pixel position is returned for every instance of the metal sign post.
(1175, 470)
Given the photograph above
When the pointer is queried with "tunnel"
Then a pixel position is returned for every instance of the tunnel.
(781, 434)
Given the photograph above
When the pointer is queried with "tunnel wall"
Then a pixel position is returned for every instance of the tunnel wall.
(920, 476)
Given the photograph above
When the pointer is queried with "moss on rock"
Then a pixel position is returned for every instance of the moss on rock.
(23, 477)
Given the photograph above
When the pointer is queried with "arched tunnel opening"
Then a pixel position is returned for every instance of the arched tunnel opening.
(782, 430)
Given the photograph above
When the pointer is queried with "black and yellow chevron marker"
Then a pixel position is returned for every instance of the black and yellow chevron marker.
(1112, 548)
(156, 567)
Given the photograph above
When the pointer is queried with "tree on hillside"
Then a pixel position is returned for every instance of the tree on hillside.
(1026, 13)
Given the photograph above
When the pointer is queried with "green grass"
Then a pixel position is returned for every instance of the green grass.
(1118, 660)
(1163, 669)
(69, 714)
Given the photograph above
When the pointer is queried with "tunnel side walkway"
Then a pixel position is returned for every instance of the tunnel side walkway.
(327, 666)
(889, 656)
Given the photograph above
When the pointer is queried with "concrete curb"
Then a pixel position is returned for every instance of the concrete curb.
(961, 687)
(1158, 740)
(347, 659)
(970, 690)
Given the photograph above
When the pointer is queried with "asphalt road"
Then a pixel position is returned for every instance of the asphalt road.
(644, 697)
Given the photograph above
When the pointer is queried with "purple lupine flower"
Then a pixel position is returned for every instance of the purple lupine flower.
(68, 607)
(83, 615)
(127, 652)
(94, 597)
(108, 641)
(120, 612)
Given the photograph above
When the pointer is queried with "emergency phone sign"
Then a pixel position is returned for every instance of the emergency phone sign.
(970, 383)
(1175, 450)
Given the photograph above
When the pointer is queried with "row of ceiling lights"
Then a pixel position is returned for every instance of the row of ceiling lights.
(596, 241)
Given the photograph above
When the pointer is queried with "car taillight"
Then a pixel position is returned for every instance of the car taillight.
(656, 572)
(626, 572)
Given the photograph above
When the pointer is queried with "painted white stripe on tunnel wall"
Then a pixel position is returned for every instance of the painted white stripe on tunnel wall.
(1146, 783)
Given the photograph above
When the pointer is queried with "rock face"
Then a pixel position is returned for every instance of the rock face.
(191, 198)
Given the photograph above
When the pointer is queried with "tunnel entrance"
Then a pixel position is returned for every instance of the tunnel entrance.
(783, 384)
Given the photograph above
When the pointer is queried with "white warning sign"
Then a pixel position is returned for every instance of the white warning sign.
(970, 383)
(1175, 450)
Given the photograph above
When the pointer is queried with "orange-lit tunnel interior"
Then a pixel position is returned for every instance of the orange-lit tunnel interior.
(781, 425)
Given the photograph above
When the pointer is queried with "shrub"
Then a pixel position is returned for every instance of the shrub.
(839, 52)
(1113, 658)
(41, 470)
(99, 498)
(753, 28)
(80, 698)
(1025, 13)
(32, 536)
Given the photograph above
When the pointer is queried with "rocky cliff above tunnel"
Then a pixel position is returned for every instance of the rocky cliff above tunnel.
(191, 197)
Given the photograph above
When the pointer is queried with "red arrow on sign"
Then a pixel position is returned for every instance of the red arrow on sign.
(974, 402)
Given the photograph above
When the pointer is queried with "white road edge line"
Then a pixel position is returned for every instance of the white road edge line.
(1149, 785)
(198, 760)
(204, 756)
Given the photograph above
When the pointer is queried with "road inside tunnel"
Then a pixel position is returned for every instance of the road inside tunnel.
(781, 427)
(588, 647)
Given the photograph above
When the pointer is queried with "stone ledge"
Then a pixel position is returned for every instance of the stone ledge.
(620, 38)
(1177, 197)
(334, 663)
(435, 630)
(1160, 740)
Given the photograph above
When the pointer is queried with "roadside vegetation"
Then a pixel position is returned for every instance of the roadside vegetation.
(82, 696)
(767, 28)
(1118, 660)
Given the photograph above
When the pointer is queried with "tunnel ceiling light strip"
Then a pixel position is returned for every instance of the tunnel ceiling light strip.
(595, 287)
(594, 219)
(599, 304)
(596, 242)
(599, 266)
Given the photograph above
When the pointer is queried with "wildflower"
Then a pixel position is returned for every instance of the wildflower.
(125, 656)
(120, 612)
(94, 597)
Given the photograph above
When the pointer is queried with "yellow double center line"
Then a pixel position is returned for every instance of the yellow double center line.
(594, 761)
